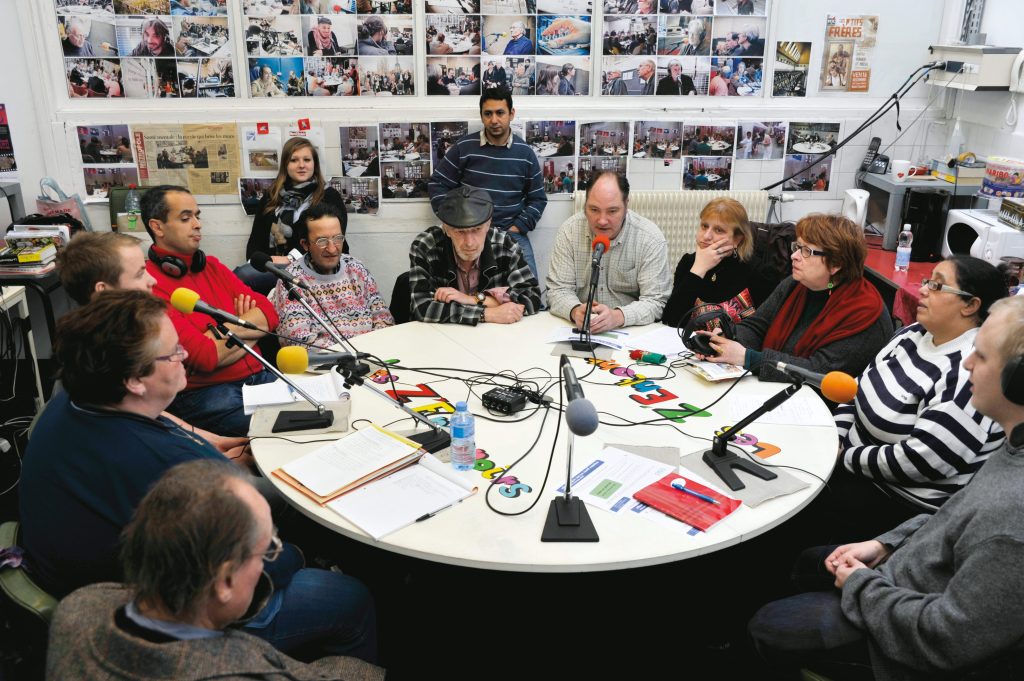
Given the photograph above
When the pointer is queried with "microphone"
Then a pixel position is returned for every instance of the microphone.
(600, 246)
(262, 263)
(580, 413)
(837, 386)
(187, 301)
(295, 359)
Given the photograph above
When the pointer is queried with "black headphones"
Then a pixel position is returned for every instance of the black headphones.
(175, 267)
(1013, 380)
(704, 318)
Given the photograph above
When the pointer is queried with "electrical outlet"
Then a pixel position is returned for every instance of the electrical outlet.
(971, 68)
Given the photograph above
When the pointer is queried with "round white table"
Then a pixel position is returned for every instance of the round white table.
(811, 147)
(719, 145)
(469, 534)
(546, 148)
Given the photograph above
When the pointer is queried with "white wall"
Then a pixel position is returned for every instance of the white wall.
(43, 121)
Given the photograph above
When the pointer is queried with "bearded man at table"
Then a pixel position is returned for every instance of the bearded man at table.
(467, 271)
(635, 281)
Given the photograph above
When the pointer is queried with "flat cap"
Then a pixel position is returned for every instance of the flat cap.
(465, 206)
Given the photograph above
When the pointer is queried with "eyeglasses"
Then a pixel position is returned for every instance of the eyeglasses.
(337, 240)
(178, 355)
(933, 285)
(805, 251)
(275, 550)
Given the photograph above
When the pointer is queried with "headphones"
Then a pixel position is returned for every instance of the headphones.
(175, 267)
(706, 318)
(1013, 380)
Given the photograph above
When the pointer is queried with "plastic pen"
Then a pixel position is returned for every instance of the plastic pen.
(680, 485)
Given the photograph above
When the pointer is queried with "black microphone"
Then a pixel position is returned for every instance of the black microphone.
(263, 263)
(187, 301)
(580, 413)
(837, 386)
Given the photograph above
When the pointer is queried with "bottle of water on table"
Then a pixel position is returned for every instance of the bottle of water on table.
(463, 438)
(906, 238)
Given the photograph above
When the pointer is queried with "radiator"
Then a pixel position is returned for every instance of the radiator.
(677, 213)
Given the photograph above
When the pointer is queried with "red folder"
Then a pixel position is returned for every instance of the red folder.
(686, 507)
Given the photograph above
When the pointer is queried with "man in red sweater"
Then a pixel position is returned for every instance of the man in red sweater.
(212, 398)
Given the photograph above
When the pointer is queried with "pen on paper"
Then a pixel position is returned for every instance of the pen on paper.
(428, 516)
(680, 484)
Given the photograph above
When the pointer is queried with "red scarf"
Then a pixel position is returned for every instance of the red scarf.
(851, 309)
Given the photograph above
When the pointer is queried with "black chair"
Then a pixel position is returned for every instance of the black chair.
(401, 299)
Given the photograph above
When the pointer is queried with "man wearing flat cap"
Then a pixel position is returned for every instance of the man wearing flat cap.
(466, 271)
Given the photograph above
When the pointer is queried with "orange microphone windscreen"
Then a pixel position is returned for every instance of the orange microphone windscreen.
(292, 359)
(839, 386)
(184, 300)
(601, 239)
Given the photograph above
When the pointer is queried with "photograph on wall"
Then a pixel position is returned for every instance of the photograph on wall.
(274, 36)
(566, 6)
(360, 151)
(508, 6)
(360, 195)
(333, 6)
(738, 37)
(453, 75)
(757, 8)
(270, 8)
(708, 140)
(405, 160)
(142, 6)
(452, 6)
(385, 36)
(590, 165)
(657, 139)
(8, 164)
(276, 77)
(453, 34)
(82, 35)
(612, 7)
(212, 151)
(261, 147)
(93, 77)
(792, 60)
(382, 6)
(387, 76)
(104, 144)
(683, 76)
(630, 35)
(811, 138)
(332, 76)
(684, 35)
(161, 154)
(522, 75)
(96, 9)
(808, 176)
(760, 140)
(509, 35)
(628, 76)
(707, 172)
(846, 61)
(216, 78)
(201, 36)
(573, 75)
(200, 8)
(688, 7)
(443, 135)
(604, 139)
(330, 36)
(554, 142)
(99, 180)
(144, 36)
(405, 180)
(251, 191)
(735, 77)
(188, 77)
(563, 35)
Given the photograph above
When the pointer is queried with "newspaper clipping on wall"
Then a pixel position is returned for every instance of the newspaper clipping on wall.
(846, 61)
(213, 150)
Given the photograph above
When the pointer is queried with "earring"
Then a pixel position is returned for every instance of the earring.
(830, 286)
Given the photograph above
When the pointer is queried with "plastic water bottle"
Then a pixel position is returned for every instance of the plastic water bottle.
(463, 438)
(132, 207)
(906, 238)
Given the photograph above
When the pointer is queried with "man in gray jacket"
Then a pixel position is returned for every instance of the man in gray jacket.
(938, 594)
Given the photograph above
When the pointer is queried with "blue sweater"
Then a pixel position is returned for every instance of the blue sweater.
(84, 473)
(511, 174)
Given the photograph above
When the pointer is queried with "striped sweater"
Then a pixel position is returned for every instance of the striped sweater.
(912, 427)
(510, 173)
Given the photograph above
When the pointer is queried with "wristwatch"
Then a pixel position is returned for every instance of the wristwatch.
(480, 297)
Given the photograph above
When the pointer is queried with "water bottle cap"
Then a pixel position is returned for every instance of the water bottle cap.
(461, 406)
(131, 186)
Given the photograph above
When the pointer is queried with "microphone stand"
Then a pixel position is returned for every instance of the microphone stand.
(287, 421)
(722, 461)
(433, 440)
(585, 344)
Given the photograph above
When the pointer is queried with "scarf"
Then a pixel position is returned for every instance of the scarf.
(325, 44)
(293, 203)
(851, 309)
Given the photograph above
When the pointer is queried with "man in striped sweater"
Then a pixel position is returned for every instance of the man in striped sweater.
(501, 162)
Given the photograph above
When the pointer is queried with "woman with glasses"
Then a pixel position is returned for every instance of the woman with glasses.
(280, 224)
(911, 430)
(345, 290)
(825, 317)
(719, 271)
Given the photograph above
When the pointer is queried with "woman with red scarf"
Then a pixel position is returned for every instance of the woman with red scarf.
(826, 317)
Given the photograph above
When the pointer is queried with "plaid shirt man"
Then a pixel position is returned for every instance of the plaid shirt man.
(432, 266)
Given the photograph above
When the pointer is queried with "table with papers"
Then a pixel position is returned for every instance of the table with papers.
(468, 534)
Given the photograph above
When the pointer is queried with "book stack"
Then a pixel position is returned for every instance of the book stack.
(32, 249)
(962, 173)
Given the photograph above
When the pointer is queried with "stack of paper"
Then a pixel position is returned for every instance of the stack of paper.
(324, 388)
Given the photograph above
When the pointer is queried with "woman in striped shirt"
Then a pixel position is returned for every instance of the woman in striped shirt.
(911, 435)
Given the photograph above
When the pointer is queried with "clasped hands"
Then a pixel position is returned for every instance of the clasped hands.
(848, 558)
(494, 312)
(602, 317)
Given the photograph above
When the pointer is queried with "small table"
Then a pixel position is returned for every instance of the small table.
(900, 290)
(14, 297)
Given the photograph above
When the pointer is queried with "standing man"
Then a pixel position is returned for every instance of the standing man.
(213, 397)
(501, 162)
(940, 593)
(635, 282)
(466, 271)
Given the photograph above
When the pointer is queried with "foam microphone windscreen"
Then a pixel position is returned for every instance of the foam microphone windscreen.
(184, 300)
(259, 261)
(292, 359)
(581, 417)
(839, 386)
(600, 239)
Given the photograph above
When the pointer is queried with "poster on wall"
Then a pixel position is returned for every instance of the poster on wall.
(261, 146)
(805, 144)
(145, 49)
(521, 46)
(792, 61)
(554, 142)
(846, 61)
(329, 48)
(8, 164)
